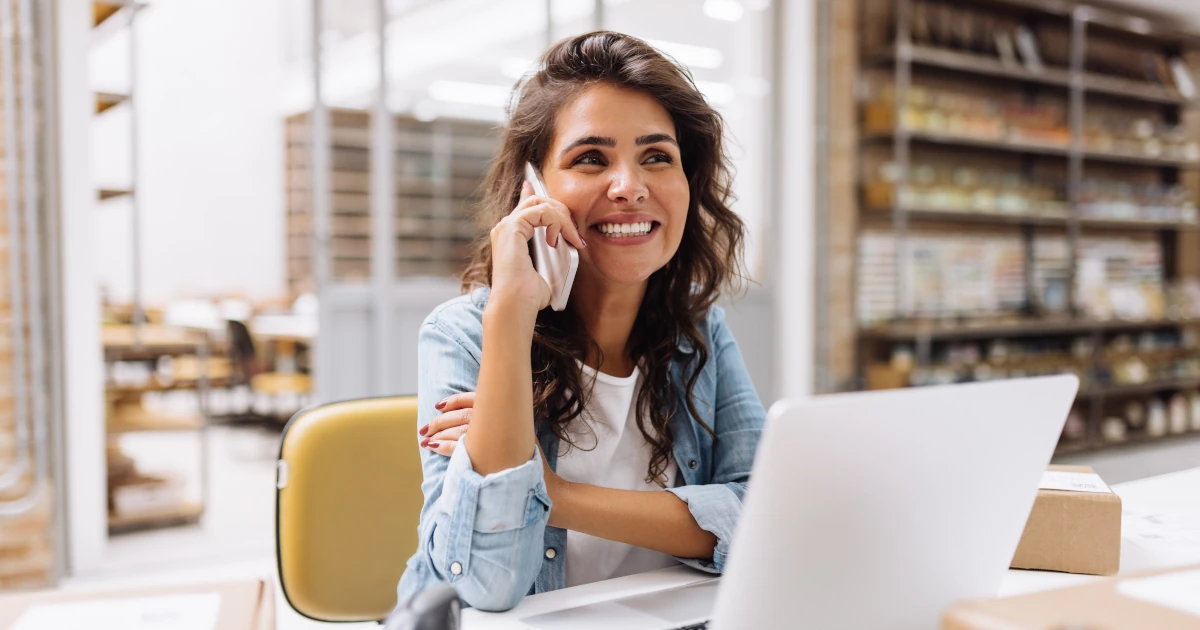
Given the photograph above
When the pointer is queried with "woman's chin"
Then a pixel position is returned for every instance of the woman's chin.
(622, 274)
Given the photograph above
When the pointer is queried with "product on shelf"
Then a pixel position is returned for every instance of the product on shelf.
(1156, 419)
(948, 276)
(1075, 427)
(1194, 405)
(943, 112)
(1150, 202)
(1141, 137)
(1135, 414)
(958, 189)
(1178, 411)
(1113, 429)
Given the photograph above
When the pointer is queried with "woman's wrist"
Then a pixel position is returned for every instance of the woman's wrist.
(509, 313)
(560, 499)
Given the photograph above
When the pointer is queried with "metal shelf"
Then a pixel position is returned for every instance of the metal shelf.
(1031, 148)
(1015, 218)
(1113, 157)
(970, 216)
(1115, 390)
(187, 512)
(108, 100)
(143, 422)
(970, 63)
(1009, 328)
(104, 194)
(946, 139)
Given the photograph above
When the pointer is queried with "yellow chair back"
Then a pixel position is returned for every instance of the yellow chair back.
(347, 507)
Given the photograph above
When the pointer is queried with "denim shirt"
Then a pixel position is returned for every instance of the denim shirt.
(487, 536)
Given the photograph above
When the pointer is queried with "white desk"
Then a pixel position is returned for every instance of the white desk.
(1176, 494)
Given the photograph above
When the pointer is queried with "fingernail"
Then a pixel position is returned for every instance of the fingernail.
(433, 445)
(583, 241)
(425, 442)
(441, 405)
(424, 430)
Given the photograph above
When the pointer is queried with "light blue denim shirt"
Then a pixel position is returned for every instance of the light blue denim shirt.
(487, 536)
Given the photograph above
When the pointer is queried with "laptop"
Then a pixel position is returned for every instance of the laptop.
(869, 510)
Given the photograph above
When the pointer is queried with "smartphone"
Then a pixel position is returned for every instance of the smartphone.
(556, 265)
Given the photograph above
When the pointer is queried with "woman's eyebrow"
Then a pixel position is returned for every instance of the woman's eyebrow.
(590, 141)
(655, 137)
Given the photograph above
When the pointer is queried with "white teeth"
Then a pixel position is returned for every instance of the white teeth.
(620, 230)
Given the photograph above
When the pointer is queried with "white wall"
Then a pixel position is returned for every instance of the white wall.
(82, 437)
(794, 265)
(211, 152)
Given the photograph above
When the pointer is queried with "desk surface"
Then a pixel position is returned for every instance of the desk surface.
(1176, 494)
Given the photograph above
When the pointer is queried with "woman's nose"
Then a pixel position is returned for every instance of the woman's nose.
(627, 185)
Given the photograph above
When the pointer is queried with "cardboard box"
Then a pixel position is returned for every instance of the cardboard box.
(244, 605)
(1071, 530)
(1162, 600)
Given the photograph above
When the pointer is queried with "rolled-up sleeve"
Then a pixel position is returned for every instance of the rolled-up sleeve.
(486, 532)
(480, 534)
(738, 421)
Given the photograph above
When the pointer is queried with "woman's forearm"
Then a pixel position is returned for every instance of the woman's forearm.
(502, 434)
(654, 520)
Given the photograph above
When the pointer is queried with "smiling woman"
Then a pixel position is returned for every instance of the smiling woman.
(579, 419)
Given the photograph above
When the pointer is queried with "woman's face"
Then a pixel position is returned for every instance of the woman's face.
(614, 162)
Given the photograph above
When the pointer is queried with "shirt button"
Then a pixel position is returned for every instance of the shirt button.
(692, 464)
(456, 568)
(550, 553)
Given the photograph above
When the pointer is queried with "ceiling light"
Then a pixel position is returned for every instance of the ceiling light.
(716, 93)
(470, 93)
(725, 10)
(689, 55)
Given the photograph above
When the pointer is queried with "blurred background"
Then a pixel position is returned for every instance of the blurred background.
(217, 212)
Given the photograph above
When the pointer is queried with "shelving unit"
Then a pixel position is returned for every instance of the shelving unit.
(148, 344)
(438, 167)
(914, 69)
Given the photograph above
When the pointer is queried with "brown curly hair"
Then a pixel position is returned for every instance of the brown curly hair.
(679, 295)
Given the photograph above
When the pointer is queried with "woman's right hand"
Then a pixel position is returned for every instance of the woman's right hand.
(514, 278)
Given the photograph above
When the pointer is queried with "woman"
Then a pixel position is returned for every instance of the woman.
(615, 436)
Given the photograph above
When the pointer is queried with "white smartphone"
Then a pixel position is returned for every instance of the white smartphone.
(556, 265)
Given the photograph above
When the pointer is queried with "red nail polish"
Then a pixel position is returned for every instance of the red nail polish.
(433, 444)
(583, 241)
(424, 430)
(425, 442)
(441, 405)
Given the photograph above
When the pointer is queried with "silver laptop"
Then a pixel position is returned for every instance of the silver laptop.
(870, 510)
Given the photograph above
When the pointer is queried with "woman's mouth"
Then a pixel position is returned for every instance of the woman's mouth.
(627, 233)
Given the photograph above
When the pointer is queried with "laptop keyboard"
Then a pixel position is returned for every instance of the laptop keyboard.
(703, 625)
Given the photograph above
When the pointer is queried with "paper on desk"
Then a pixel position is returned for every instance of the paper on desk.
(1174, 590)
(1171, 532)
(1073, 481)
(168, 612)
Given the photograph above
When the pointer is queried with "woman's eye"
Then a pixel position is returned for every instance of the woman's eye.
(660, 158)
(590, 158)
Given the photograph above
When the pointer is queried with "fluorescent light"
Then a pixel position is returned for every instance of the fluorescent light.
(725, 10)
(470, 93)
(689, 55)
(716, 93)
(516, 67)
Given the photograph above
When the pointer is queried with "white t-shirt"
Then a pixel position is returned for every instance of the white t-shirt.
(610, 452)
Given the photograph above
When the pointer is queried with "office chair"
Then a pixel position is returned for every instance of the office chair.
(347, 507)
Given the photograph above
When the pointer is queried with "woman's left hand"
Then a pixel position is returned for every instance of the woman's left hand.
(442, 433)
